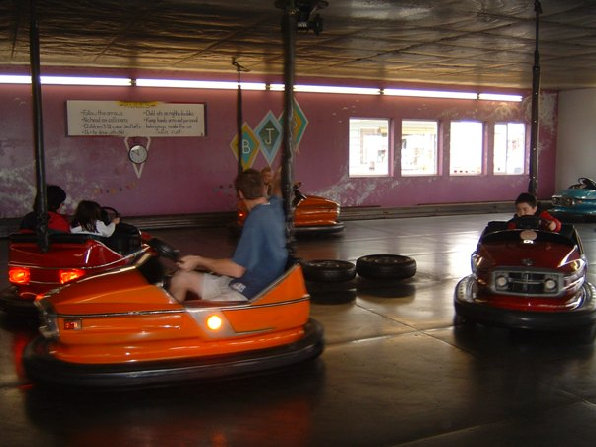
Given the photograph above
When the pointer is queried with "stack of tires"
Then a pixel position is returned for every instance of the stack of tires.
(330, 281)
(335, 281)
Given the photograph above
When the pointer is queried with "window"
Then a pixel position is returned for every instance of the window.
(418, 148)
(369, 147)
(509, 152)
(465, 155)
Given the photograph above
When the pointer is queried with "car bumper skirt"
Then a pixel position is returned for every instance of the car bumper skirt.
(41, 366)
(13, 304)
(319, 229)
(469, 309)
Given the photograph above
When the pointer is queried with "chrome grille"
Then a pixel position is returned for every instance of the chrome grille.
(523, 282)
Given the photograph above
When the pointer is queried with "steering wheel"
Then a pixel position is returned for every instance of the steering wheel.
(589, 183)
(108, 214)
(163, 249)
(298, 196)
(527, 222)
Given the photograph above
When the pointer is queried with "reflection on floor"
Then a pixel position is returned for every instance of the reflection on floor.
(395, 370)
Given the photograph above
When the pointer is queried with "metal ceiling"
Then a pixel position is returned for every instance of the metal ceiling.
(448, 42)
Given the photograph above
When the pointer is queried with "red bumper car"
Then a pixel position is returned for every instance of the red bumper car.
(527, 278)
(32, 272)
(123, 328)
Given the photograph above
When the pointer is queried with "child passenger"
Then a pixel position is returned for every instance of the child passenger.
(526, 204)
(267, 175)
(57, 222)
(88, 220)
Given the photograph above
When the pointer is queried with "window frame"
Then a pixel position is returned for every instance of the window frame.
(524, 145)
(482, 149)
(387, 158)
(436, 161)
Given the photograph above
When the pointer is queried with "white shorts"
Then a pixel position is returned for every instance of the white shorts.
(217, 288)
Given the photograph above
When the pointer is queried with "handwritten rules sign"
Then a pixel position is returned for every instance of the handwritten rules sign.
(129, 119)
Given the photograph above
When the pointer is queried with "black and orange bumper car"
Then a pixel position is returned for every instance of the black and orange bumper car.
(312, 214)
(122, 328)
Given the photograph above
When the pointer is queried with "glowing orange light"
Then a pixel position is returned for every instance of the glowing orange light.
(19, 275)
(214, 322)
(70, 275)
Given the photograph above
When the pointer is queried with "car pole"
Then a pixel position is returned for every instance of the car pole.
(533, 186)
(41, 204)
(289, 24)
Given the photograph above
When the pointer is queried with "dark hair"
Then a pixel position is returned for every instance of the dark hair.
(527, 197)
(87, 214)
(55, 197)
(250, 183)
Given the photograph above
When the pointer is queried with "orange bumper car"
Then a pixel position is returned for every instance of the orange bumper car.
(123, 328)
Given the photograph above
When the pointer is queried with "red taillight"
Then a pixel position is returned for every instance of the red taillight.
(73, 324)
(19, 275)
(68, 275)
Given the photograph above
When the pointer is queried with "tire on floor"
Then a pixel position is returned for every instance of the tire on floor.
(328, 270)
(338, 292)
(385, 266)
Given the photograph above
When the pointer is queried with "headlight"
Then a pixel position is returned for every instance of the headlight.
(214, 322)
(501, 282)
(550, 285)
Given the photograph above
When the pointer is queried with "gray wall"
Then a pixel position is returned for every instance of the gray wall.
(576, 137)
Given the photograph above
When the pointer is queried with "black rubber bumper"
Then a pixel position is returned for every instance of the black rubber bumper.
(469, 309)
(12, 304)
(319, 229)
(40, 366)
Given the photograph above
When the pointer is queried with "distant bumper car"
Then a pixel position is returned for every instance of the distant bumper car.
(312, 214)
(122, 328)
(578, 202)
(527, 278)
(32, 272)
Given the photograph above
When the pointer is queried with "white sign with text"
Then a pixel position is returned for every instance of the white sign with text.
(128, 119)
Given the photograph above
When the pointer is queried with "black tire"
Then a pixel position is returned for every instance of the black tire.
(386, 266)
(459, 320)
(339, 292)
(328, 270)
(587, 334)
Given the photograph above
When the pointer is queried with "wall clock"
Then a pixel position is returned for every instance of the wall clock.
(138, 154)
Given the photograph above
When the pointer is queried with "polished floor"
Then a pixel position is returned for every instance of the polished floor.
(395, 370)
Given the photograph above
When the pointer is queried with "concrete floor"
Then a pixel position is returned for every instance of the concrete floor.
(395, 371)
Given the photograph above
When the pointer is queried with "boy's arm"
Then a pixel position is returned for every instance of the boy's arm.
(554, 224)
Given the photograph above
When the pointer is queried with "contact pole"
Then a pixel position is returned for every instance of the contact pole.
(42, 205)
(533, 185)
(289, 24)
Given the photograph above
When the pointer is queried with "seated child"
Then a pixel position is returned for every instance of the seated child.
(56, 222)
(88, 220)
(526, 204)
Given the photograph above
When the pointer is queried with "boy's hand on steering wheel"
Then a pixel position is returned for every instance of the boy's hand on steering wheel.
(189, 262)
(549, 224)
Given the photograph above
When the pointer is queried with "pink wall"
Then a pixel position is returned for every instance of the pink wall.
(195, 174)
